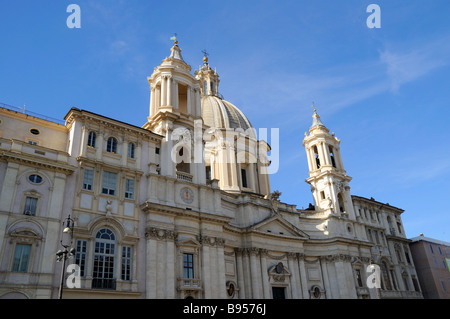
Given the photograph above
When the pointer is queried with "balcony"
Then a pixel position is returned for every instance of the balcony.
(189, 284)
(183, 176)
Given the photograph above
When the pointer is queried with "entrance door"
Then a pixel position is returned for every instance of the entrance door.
(278, 293)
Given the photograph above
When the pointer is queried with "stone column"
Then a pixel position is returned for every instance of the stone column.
(220, 244)
(295, 287)
(138, 155)
(174, 95)
(124, 148)
(303, 278)
(313, 158)
(163, 90)
(206, 272)
(308, 157)
(255, 269)
(84, 137)
(240, 273)
(152, 100)
(169, 90)
(151, 263)
(170, 264)
(323, 263)
(265, 275)
(167, 164)
(338, 158)
(99, 145)
(342, 278)
(326, 153)
(197, 104)
(247, 273)
(9, 187)
(189, 102)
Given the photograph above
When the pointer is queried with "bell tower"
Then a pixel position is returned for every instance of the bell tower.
(175, 113)
(173, 88)
(327, 177)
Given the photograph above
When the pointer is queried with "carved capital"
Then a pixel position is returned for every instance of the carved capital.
(212, 241)
(160, 234)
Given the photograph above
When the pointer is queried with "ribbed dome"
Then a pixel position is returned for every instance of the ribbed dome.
(219, 113)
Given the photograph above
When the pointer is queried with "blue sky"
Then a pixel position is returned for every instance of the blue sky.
(384, 92)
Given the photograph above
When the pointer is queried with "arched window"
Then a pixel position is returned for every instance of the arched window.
(111, 145)
(333, 161)
(341, 203)
(104, 260)
(316, 156)
(91, 139)
(131, 148)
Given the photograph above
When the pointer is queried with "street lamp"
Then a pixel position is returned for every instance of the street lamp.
(65, 253)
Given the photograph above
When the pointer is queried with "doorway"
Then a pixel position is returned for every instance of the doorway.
(278, 292)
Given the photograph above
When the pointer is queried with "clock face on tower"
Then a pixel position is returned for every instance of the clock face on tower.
(187, 195)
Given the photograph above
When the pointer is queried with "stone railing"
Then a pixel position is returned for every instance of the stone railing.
(189, 284)
(183, 176)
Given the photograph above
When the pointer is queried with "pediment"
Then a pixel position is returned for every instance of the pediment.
(277, 225)
(188, 242)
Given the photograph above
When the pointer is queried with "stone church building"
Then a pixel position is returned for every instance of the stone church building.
(182, 207)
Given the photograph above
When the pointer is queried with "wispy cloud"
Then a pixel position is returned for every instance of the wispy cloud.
(410, 64)
(341, 86)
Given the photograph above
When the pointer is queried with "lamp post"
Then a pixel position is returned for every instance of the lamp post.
(65, 253)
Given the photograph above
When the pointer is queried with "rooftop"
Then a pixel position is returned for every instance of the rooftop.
(430, 240)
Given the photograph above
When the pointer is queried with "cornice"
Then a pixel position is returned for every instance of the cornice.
(81, 160)
(150, 207)
(89, 117)
(33, 161)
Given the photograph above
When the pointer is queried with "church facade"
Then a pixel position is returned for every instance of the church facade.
(182, 207)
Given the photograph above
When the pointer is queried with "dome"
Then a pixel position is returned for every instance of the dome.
(219, 113)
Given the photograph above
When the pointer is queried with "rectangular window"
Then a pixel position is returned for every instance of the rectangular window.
(375, 234)
(126, 263)
(88, 179)
(358, 278)
(109, 183)
(131, 148)
(443, 286)
(21, 258)
(129, 188)
(244, 177)
(208, 172)
(80, 256)
(30, 206)
(188, 266)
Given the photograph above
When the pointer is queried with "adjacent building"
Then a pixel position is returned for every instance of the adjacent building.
(432, 260)
(182, 207)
